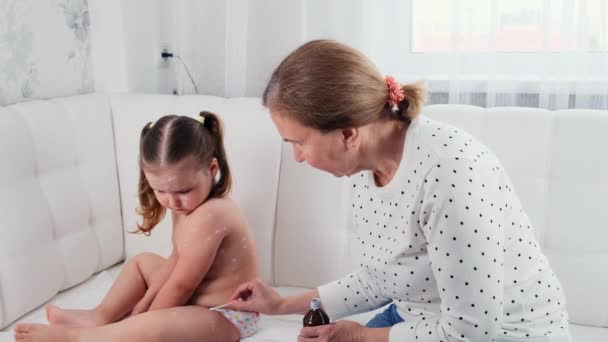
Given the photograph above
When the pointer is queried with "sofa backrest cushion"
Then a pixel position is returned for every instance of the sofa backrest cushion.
(60, 207)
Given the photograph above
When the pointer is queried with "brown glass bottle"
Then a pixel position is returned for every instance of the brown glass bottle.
(316, 316)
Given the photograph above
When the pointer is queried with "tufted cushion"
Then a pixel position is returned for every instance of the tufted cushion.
(59, 209)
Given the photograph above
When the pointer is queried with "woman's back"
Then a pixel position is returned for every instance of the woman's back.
(466, 249)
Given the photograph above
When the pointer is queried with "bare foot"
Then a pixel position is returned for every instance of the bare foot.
(43, 333)
(73, 318)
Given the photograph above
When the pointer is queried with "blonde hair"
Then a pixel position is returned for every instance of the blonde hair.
(168, 141)
(328, 85)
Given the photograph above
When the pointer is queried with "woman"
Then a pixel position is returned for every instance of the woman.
(443, 237)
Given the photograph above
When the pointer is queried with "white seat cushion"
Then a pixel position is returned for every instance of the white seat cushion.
(581, 333)
(271, 328)
(83, 296)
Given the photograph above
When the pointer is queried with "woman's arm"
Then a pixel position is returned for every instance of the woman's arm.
(297, 304)
(257, 296)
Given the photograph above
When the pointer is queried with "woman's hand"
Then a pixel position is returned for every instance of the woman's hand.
(340, 331)
(256, 296)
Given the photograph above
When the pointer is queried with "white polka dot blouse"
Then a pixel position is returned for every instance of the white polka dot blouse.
(448, 242)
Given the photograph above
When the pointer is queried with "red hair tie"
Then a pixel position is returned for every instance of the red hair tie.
(395, 93)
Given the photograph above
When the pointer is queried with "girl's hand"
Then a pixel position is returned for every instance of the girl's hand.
(256, 296)
(340, 331)
(144, 304)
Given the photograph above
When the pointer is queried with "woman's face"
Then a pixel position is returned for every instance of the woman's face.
(333, 152)
(182, 187)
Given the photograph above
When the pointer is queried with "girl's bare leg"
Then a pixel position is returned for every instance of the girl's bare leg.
(128, 289)
(184, 323)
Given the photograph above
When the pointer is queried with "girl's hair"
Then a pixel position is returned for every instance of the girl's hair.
(168, 141)
(328, 85)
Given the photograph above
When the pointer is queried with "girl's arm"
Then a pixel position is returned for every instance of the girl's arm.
(155, 285)
(161, 278)
(196, 255)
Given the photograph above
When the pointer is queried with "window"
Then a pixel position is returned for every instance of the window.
(509, 25)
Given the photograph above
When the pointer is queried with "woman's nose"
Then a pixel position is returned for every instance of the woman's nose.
(297, 155)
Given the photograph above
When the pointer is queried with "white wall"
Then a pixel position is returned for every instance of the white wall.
(108, 46)
(142, 35)
(45, 49)
(126, 45)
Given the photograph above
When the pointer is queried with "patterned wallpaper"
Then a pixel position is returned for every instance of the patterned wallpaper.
(45, 49)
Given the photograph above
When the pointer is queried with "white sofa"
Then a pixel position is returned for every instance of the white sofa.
(69, 175)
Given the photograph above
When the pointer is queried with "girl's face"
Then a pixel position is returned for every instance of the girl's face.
(182, 187)
(334, 152)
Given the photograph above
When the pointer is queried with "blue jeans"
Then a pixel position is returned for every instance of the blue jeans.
(390, 317)
(387, 318)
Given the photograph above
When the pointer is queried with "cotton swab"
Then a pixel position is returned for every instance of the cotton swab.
(219, 307)
(244, 296)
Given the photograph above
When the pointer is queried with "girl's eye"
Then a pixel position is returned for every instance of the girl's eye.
(184, 191)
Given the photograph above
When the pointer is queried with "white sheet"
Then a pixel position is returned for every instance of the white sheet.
(271, 329)
(83, 296)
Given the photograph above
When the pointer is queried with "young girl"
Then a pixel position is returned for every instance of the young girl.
(158, 299)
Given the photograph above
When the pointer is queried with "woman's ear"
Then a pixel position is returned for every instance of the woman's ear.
(214, 168)
(351, 138)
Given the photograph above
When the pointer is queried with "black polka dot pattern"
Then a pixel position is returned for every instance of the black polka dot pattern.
(448, 242)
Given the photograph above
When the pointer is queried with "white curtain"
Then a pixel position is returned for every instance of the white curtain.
(539, 53)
